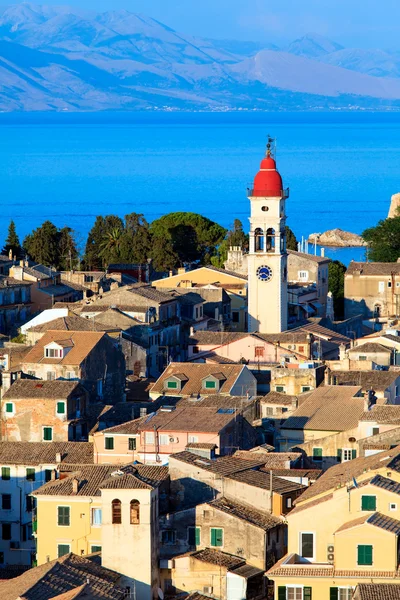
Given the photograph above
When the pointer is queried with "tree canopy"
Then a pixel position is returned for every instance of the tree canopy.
(12, 242)
(291, 241)
(51, 246)
(336, 271)
(383, 240)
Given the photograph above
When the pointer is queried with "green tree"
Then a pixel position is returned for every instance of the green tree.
(68, 257)
(42, 244)
(163, 255)
(291, 241)
(93, 257)
(136, 244)
(208, 233)
(110, 246)
(12, 242)
(383, 240)
(336, 271)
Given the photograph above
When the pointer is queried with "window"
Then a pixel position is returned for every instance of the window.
(368, 502)
(172, 385)
(149, 437)
(303, 275)
(235, 316)
(132, 443)
(280, 388)
(164, 439)
(96, 517)
(269, 411)
(100, 388)
(346, 454)
(381, 286)
(307, 545)
(375, 431)
(6, 501)
(193, 536)
(30, 474)
(70, 375)
(317, 454)
(9, 408)
(47, 434)
(305, 388)
(392, 506)
(364, 555)
(47, 474)
(51, 375)
(259, 351)
(288, 503)
(168, 536)
(116, 512)
(61, 408)
(362, 357)
(195, 350)
(109, 443)
(134, 512)
(216, 537)
(210, 385)
(29, 503)
(292, 593)
(6, 531)
(1, 558)
(63, 516)
(389, 284)
(5, 473)
(53, 352)
(63, 549)
(193, 439)
(95, 549)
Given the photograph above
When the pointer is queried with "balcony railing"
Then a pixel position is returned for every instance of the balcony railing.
(268, 193)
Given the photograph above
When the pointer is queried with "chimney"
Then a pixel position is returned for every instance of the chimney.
(53, 474)
(114, 285)
(6, 382)
(10, 254)
(171, 273)
(327, 376)
(58, 457)
(181, 270)
(322, 252)
(342, 352)
(310, 339)
(75, 485)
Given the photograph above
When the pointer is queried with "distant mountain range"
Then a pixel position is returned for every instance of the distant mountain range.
(60, 58)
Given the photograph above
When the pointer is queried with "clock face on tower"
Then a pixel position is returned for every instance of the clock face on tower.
(264, 273)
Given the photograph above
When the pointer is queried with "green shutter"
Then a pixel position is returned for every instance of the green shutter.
(213, 537)
(317, 453)
(339, 455)
(281, 592)
(30, 474)
(60, 408)
(368, 502)
(63, 549)
(364, 555)
(216, 537)
(334, 593)
(307, 591)
(5, 473)
(197, 536)
(47, 434)
(353, 454)
(9, 407)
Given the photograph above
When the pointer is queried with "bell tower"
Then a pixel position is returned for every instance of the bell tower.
(267, 263)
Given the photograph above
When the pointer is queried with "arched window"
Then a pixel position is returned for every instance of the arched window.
(259, 240)
(116, 512)
(270, 240)
(377, 310)
(135, 512)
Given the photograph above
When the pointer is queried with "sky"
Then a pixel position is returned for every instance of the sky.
(356, 23)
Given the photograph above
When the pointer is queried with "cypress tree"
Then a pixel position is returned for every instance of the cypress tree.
(12, 242)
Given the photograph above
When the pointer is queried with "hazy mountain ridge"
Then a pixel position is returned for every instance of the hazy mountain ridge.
(59, 58)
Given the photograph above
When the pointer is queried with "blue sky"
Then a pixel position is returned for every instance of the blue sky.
(362, 23)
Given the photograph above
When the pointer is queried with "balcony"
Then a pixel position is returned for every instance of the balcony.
(268, 194)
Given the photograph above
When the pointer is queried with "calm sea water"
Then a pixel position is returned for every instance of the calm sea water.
(341, 168)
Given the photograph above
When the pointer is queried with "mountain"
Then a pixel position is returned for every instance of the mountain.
(61, 58)
(313, 45)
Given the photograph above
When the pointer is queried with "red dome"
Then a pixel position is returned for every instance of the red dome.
(267, 182)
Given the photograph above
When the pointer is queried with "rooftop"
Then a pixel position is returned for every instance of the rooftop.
(60, 576)
(372, 268)
(73, 323)
(33, 388)
(278, 398)
(311, 257)
(328, 408)
(194, 373)
(262, 479)
(91, 479)
(375, 380)
(372, 347)
(382, 414)
(339, 475)
(82, 343)
(216, 557)
(188, 418)
(377, 519)
(386, 484)
(224, 465)
(45, 453)
(378, 591)
(265, 521)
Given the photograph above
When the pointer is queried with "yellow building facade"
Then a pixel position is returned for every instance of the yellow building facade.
(344, 530)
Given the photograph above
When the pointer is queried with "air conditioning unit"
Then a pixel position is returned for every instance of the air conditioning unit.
(207, 589)
(14, 545)
(330, 553)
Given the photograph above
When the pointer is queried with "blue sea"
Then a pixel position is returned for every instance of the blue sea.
(342, 168)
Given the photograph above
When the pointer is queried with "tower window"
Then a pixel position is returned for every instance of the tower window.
(135, 512)
(259, 239)
(265, 208)
(270, 240)
(116, 512)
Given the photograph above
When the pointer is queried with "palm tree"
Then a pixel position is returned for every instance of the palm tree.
(111, 245)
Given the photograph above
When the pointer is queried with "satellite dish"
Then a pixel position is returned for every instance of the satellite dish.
(160, 594)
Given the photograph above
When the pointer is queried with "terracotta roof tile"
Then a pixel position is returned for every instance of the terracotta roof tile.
(370, 347)
(378, 591)
(382, 413)
(265, 521)
(216, 557)
(377, 519)
(45, 453)
(376, 380)
(328, 408)
(31, 388)
(262, 479)
(223, 465)
(83, 343)
(73, 323)
(372, 268)
(195, 373)
(59, 576)
(188, 418)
